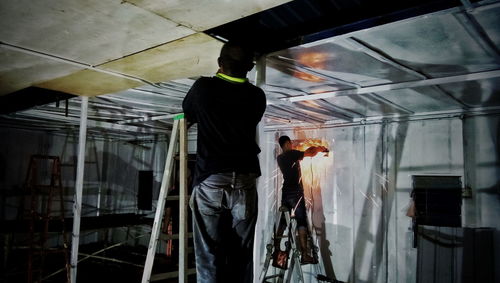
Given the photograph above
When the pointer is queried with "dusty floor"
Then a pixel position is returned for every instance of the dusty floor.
(92, 270)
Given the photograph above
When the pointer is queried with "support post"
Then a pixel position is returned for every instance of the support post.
(183, 203)
(260, 80)
(160, 206)
(77, 205)
(260, 71)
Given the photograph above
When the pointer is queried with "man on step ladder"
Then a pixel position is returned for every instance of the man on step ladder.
(293, 198)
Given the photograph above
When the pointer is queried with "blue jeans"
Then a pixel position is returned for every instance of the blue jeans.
(224, 209)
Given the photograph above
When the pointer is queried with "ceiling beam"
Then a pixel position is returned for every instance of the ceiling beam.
(477, 32)
(392, 104)
(394, 86)
(139, 102)
(332, 110)
(29, 97)
(150, 118)
(382, 57)
(297, 115)
(90, 123)
(289, 92)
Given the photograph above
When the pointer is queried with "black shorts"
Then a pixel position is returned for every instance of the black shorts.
(295, 202)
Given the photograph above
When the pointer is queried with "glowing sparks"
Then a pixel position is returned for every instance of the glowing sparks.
(370, 198)
(307, 77)
(296, 205)
(309, 202)
(383, 182)
(314, 170)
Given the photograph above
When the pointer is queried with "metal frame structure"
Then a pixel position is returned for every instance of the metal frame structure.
(179, 130)
(393, 86)
(135, 108)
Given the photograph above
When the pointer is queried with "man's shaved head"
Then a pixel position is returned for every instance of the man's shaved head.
(236, 59)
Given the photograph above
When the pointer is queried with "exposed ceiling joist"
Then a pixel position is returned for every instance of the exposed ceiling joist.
(379, 55)
(392, 104)
(393, 86)
(90, 123)
(150, 118)
(475, 30)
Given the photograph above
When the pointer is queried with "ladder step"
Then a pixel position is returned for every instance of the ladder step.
(274, 276)
(281, 237)
(176, 197)
(166, 237)
(169, 275)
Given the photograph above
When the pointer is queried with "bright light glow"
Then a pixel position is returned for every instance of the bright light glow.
(307, 77)
(315, 60)
(314, 169)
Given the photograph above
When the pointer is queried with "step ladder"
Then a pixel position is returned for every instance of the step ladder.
(179, 131)
(291, 250)
(41, 197)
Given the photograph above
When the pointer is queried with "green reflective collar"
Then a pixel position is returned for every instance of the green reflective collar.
(231, 79)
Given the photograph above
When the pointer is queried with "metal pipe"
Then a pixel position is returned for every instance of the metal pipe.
(145, 119)
(77, 207)
(260, 81)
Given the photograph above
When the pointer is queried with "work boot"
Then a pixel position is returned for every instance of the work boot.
(305, 258)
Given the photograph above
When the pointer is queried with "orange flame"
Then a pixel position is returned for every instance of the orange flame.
(315, 60)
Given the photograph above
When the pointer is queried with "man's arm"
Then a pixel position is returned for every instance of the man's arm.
(313, 150)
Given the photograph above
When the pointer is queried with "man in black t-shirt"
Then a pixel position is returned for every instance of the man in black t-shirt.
(227, 109)
(293, 194)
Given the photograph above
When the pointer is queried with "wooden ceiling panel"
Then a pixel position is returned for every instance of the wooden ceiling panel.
(201, 15)
(89, 83)
(91, 31)
(192, 56)
(19, 70)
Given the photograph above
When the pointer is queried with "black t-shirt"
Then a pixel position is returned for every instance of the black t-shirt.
(289, 163)
(227, 114)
